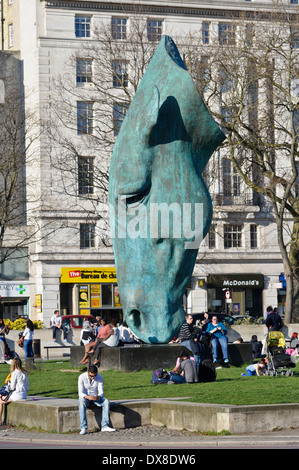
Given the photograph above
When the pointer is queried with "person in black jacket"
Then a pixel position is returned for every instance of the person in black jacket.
(274, 321)
(256, 347)
(186, 337)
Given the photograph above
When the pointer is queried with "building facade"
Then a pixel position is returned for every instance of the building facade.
(71, 264)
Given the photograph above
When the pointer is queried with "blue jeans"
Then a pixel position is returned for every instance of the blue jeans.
(84, 403)
(54, 328)
(192, 346)
(177, 378)
(223, 342)
(250, 372)
(28, 348)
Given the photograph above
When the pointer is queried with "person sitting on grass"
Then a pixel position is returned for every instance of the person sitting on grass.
(185, 370)
(256, 369)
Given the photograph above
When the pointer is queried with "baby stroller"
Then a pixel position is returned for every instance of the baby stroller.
(279, 362)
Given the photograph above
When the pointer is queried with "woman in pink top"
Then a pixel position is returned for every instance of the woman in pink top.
(90, 347)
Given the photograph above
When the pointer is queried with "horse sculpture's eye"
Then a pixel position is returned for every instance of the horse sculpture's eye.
(134, 200)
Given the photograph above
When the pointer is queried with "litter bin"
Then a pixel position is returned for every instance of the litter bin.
(36, 347)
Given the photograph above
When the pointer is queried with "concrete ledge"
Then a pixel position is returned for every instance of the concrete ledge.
(45, 337)
(216, 418)
(133, 358)
(62, 415)
(151, 357)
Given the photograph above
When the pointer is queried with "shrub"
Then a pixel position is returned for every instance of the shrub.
(19, 324)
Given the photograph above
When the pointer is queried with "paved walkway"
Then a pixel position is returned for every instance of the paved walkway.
(150, 437)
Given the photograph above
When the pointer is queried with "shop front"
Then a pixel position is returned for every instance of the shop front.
(90, 291)
(236, 294)
(14, 300)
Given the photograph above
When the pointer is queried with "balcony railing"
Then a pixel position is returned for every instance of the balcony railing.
(244, 199)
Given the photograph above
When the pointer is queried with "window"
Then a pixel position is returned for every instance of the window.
(249, 34)
(83, 71)
(82, 26)
(119, 28)
(226, 81)
(84, 117)
(296, 183)
(232, 236)
(120, 73)
(119, 112)
(15, 265)
(231, 181)
(2, 94)
(253, 236)
(205, 33)
(203, 74)
(295, 38)
(154, 30)
(107, 295)
(85, 175)
(294, 2)
(212, 237)
(226, 33)
(87, 235)
(10, 35)
(228, 114)
(296, 122)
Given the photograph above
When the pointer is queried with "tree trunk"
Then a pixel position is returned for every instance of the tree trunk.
(294, 275)
(295, 301)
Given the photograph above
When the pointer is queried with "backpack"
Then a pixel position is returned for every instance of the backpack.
(160, 376)
(206, 371)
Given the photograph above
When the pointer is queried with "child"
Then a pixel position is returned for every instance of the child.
(255, 369)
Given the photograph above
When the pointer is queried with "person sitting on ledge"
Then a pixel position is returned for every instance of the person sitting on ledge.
(91, 391)
(110, 340)
(92, 345)
(218, 332)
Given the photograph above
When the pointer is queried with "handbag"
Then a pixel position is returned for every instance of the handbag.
(5, 392)
(20, 342)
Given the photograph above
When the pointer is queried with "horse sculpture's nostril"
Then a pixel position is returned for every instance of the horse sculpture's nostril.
(135, 314)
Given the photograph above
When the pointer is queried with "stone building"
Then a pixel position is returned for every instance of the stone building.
(71, 264)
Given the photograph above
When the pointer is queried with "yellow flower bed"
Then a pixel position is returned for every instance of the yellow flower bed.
(20, 324)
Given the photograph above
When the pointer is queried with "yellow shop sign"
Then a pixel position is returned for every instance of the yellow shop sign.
(77, 275)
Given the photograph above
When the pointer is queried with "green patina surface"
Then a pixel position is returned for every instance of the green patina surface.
(164, 144)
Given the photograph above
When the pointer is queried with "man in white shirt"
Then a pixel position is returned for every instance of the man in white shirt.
(91, 390)
(56, 323)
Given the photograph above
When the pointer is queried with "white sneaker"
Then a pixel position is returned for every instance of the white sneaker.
(108, 429)
(83, 431)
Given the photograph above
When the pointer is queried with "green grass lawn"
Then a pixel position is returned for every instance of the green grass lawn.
(58, 379)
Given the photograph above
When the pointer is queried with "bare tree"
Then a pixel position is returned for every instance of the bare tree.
(19, 135)
(15, 144)
(250, 80)
(88, 103)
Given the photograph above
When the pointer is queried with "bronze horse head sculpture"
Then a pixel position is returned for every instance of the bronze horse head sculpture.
(160, 207)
